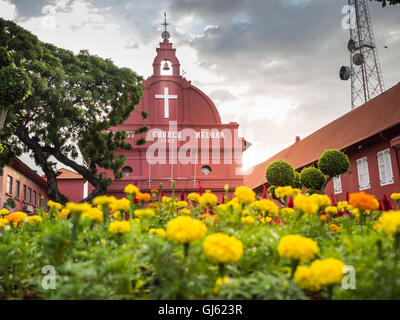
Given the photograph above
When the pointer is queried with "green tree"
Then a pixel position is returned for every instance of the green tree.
(390, 2)
(75, 100)
(333, 163)
(14, 86)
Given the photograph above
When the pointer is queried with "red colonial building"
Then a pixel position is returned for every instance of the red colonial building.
(24, 186)
(369, 135)
(187, 142)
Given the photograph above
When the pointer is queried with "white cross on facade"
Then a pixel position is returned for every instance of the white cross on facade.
(166, 98)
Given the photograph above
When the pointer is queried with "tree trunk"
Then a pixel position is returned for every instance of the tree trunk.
(42, 160)
(3, 116)
(322, 191)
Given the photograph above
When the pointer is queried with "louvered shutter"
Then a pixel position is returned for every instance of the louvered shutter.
(337, 185)
(363, 174)
(385, 167)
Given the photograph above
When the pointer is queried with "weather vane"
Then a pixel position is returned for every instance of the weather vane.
(165, 35)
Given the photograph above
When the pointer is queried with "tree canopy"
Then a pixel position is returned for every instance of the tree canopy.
(75, 99)
(390, 2)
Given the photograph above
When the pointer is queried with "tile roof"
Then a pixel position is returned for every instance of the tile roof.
(371, 118)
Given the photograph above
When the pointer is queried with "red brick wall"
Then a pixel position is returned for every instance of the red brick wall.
(17, 176)
(350, 180)
(72, 188)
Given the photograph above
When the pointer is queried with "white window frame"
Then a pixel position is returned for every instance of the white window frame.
(385, 167)
(337, 185)
(362, 165)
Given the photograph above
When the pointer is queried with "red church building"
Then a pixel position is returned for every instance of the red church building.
(187, 142)
(369, 135)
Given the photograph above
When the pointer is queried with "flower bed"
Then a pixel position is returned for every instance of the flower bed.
(148, 247)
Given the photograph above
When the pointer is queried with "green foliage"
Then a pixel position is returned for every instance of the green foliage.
(312, 178)
(14, 85)
(5, 58)
(75, 100)
(390, 2)
(333, 163)
(280, 173)
(9, 204)
(296, 183)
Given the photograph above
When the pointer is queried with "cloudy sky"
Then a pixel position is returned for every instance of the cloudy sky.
(270, 65)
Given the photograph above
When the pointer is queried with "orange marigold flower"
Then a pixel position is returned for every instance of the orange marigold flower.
(322, 217)
(334, 227)
(363, 201)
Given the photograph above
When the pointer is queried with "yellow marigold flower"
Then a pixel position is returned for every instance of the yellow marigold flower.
(222, 206)
(16, 217)
(234, 204)
(194, 197)
(331, 210)
(395, 196)
(287, 211)
(208, 199)
(223, 248)
(158, 232)
(77, 208)
(185, 229)
(131, 189)
(104, 201)
(342, 206)
(4, 212)
(284, 192)
(321, 200)
(363, 201)
(219, 283)
(64, 213)
(181, 204)
(121, 205)
(185, 211)
(245, 195)
(247, 220)
(166, 199)
(3, 222)
(54, 205)
(117, 215)
(305, 204)
(154, 191)
(355, 212)
(94, 215)
(266, 220)
(297, 247)
(266, 206)
(103, 241)
(35, 218)
(119, 227)
(334, 227)
(144, 213)
(305, 280)
(327, 271)
(389, 222)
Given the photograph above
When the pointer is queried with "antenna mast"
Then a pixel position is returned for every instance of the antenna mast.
(365, 70)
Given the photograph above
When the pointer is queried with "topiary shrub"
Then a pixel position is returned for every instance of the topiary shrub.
(333, 163)
(312, 178)
(280, 173)
(297, 183)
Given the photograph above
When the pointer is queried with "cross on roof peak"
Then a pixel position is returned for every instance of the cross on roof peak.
(165, 23)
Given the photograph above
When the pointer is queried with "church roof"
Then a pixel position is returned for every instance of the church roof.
(373, 117)
(65, 174)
